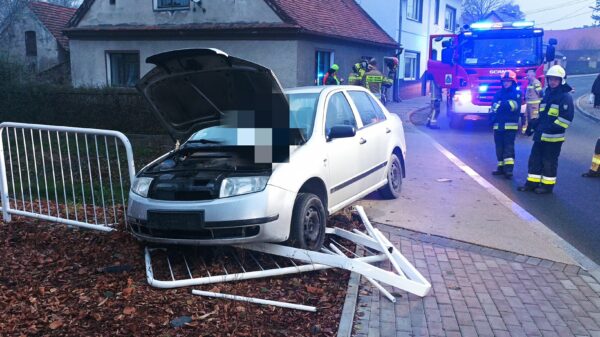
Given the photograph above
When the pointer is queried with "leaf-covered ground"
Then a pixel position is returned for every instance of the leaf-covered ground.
(56, 281)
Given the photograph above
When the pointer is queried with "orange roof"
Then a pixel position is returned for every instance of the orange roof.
(55, 18)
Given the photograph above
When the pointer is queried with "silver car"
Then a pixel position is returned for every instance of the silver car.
(218, 185)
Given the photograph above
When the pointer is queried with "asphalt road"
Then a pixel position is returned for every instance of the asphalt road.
(573, 210)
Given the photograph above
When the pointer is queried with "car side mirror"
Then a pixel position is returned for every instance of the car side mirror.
(341, 131)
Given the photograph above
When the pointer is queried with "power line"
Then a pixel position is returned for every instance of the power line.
(572, 15)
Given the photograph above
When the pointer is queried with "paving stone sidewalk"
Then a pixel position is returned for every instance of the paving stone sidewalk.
(478, 291)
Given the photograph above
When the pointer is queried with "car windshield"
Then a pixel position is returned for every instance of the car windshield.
(303, 108)
(500, 52)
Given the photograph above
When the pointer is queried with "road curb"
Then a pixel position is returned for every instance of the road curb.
(414, 111)
(583, 111)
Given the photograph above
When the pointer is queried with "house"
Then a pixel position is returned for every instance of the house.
(580, 47)
(495, 16)
(33, 36)
(298, 39)
(411, 22)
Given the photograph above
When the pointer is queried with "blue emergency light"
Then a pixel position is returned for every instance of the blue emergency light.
(522, 24)
(481, 25)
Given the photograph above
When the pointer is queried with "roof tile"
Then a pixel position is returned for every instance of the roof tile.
(55, 18)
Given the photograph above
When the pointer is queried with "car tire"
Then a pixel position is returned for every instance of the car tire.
(456, 122)
(393, 187)
(307, 230)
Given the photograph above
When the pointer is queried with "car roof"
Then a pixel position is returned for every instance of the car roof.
(321, 89)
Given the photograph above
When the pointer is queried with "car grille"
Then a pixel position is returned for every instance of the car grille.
(141, 227)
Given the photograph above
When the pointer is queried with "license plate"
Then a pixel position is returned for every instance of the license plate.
(176, 220)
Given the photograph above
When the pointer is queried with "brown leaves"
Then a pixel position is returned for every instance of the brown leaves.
(55, 325)
(129, 310)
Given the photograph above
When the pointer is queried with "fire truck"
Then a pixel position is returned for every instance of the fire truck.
(469, 64)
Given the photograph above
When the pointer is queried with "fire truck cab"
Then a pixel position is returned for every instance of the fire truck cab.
(469, 64)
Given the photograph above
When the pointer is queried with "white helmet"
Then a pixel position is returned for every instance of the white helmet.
(557, 71)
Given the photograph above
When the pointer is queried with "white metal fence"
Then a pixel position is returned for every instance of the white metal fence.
(68, 175)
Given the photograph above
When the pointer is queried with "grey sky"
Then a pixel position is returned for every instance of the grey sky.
(557, 14)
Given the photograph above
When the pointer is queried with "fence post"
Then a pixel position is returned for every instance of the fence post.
(3, 182)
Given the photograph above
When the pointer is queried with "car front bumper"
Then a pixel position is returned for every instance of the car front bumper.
(256, 217)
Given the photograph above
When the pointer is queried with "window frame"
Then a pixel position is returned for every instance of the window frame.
(436, 20)
(350, 104)
(416, 69)
(108, 67)
(418, 4)
(357, 111)
(319, 80)
(452, 10)
(175, 8)
(31, 43)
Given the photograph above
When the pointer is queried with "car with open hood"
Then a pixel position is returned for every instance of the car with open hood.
(255, 163)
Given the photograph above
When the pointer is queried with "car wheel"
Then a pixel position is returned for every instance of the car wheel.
(392, 189)
(308, 222)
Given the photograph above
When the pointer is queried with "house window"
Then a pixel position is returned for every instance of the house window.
(411, 66)
(414, 10)
(436, 20)
(323, 61)
(123, 68)
(30, 44)
(171, 4)
(450, 19)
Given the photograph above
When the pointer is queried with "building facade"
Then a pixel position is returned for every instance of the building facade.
(33, 36)
(411, 22)
(298, 39)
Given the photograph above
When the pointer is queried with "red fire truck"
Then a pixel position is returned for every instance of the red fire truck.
(469, 64)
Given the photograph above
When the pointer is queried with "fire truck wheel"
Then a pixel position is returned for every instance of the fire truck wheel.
(456, 122)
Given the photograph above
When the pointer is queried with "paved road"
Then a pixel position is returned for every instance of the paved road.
(573, 211)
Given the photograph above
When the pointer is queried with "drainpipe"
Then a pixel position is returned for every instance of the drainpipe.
(396, 91)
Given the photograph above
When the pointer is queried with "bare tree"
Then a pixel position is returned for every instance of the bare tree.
(474, 10)
(9, 8)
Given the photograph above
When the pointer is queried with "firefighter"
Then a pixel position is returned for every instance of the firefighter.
(556, 115)
(436, 102)
(594, 171)
(374, 79)
(355, 77)
(331, 77)
(506, 108)
(533, 97)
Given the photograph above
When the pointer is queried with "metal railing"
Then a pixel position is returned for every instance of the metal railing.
(75, 176)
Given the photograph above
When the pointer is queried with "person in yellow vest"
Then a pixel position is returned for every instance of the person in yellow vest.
(594, 171)
(374, 79)
(355, 77)
(533, 97)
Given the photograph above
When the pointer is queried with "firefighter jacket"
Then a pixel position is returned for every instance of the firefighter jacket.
(356, 78)
(556, 115)
(331, 79)
(506, 108)
(534, 92)
(374, 79)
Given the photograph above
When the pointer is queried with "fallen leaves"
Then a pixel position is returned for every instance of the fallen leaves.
(60, 281)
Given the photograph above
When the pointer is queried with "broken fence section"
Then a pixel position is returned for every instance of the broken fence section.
(74, 176)
(242, 262)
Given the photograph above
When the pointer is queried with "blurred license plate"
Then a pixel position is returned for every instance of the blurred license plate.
(176, 220)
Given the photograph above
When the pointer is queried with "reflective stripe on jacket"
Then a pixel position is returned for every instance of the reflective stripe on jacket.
(556, 115)
(506, 107)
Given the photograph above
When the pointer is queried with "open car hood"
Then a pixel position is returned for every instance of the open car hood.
(192, 89)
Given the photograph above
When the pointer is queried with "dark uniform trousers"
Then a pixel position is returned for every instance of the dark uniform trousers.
(505, 149)
(543, 164)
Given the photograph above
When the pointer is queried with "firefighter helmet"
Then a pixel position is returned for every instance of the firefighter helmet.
(509, 75)
(556, 71)
(335, 67)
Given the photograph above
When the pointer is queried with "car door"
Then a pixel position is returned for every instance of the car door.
(374, 134)
(343, 155)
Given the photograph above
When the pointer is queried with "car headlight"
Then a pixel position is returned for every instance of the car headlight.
(141, 186)
(242, 185)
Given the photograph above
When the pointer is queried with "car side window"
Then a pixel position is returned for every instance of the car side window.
(339, 112)
(368, 110)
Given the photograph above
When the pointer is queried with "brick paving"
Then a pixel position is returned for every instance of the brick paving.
(478, 291)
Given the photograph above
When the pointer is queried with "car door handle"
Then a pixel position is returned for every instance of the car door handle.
(362, 141)
(387, 130)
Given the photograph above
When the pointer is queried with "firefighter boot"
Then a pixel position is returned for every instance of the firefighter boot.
(499, 171)
(526, 188)
(543, 190)
(435, 112)
(594, 171)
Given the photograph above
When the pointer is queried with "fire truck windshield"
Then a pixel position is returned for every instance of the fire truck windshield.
(492, 52)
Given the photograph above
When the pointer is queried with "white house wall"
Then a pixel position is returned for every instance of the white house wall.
(89, 68)
(136, 12)
(12, 40)
(385, 13)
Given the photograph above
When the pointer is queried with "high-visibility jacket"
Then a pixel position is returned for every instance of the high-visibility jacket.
(556, 115)
(506, 108)
(331, 79)
(534, 92)
(356, 78)
(374, 79)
